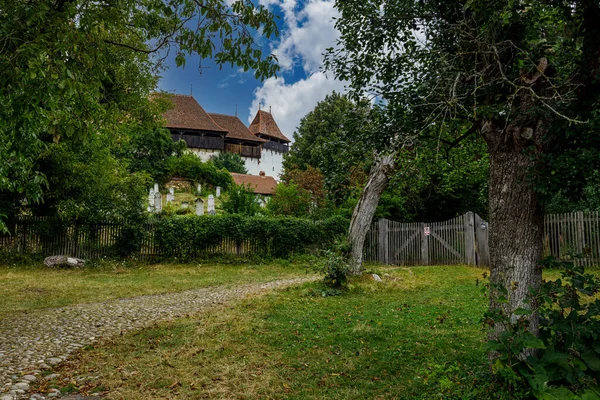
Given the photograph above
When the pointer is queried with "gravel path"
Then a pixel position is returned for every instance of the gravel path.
(35, 341)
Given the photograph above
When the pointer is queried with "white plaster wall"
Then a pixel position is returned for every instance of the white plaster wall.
(205, 154)
(252, 165)
(272, 163)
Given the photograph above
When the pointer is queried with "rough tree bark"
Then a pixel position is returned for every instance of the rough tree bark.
(516, 221)
(362, 215)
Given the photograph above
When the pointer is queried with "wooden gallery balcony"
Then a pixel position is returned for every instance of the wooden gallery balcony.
(200, 142)
(243, 150)
(276, 146)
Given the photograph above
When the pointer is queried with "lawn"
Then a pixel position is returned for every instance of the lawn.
(415, 335)
(25, 288)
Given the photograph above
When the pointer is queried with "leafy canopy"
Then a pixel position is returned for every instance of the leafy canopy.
(77, 68)
(503, 68)
(231, 162)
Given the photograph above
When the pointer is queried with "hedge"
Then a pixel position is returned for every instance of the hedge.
(190, 236)
(183, 237)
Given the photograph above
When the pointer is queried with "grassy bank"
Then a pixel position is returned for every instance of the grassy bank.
(414, 335)
(29, 288)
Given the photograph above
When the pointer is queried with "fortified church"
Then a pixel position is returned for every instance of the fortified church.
(261, 145)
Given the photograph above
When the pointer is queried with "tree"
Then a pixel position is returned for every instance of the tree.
(588, 199)
(231, 162)
(431, 184)
(77, 68)
(321, 141)
(310, 179)
(523, 75)
(86, 182)
(149, 150)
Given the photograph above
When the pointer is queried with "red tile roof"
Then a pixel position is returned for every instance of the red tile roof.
(235, 128)
(188, 114)
(264, 124)
(259, 183)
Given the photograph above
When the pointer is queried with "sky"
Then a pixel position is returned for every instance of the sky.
(306, 30)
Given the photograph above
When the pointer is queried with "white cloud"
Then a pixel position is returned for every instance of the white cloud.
(308, 30)
(290, 102)
(308, 33)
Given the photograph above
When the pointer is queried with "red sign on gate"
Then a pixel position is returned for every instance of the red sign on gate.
(426, 231)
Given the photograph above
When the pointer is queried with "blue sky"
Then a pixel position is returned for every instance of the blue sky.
(306, 30)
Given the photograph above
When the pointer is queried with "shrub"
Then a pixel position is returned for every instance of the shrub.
(241, 200)
(191, 167)
(334, 264)
(566, 364)
(290, 200)
(191, 236)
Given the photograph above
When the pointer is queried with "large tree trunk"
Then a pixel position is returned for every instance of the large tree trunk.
(516, 226)
(362, 216)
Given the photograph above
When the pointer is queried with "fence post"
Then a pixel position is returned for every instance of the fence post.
(470, 238)
(383, 241)
(424, 246)
(483, 249)
(580, 234)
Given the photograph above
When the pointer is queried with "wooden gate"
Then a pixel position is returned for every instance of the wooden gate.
(461, 240)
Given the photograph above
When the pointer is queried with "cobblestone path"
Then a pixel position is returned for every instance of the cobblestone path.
(37, 340)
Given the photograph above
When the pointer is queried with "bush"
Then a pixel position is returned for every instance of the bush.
(241, 200)
(566, 364)
(191, 236)
(191, 167)
(290, 200)
(334, 264)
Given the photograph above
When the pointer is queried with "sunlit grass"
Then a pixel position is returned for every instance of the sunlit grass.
(381, 340)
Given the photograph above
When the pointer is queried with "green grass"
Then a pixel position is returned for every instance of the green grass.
(415, 335)
(32, 288)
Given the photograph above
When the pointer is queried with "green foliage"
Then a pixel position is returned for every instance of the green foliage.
(333, 264)
(191, 167)
(172, 208)
(432, 184)
(475, 72)
(190, 236)
(231, 162)
(149, 150)
(290, 200)
(87, 183)
(324, 140)
(241, 200)
(587, 198)
(566, 360)
(435, 185)
(74, 70)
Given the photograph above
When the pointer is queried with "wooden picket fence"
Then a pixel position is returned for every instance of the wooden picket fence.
(461, 240)
(29, 236)
(464, 240)
(568, 235)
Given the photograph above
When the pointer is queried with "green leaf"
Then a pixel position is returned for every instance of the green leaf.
(556, 393)
(592, 360)
(522, 311)
(590, 394)
(533, 343)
